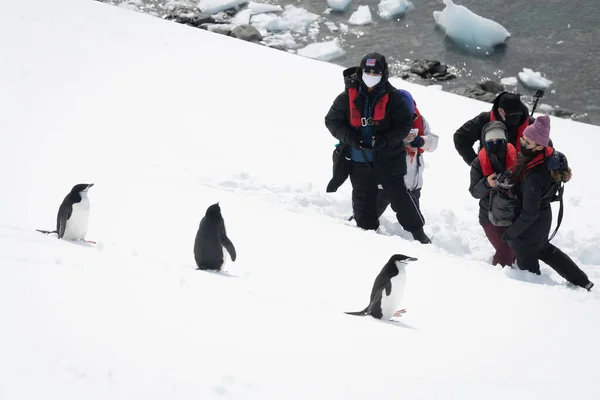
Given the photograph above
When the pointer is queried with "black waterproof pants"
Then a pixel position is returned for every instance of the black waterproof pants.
(365, 180)
(383, 202)
(533, 246)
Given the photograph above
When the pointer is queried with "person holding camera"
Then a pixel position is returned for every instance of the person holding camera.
(507, 108)
(495, 157)
(537, 177)
(372, 118)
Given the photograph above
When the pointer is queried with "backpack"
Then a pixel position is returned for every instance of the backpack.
(505, 205)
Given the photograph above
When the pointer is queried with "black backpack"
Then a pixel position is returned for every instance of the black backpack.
(505, 205)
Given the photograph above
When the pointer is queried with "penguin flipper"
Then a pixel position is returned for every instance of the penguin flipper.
(64, 213)
(226, 242)
(376, 299)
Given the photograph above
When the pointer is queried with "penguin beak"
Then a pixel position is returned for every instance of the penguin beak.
(411, 259)
(89, 186)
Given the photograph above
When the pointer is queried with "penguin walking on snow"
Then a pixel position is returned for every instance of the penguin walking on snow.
(388, 289)
(210, 240)
(73, 214)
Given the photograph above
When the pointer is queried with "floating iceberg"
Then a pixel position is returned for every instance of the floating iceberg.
(509, 80)
(389, 9)
(260, 8)
(324, 51)
(533, 80)
(293, 18)
(469, 29)
(338, 5)
(362, 16)
(214, 6)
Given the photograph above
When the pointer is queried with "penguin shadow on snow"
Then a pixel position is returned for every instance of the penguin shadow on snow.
(73, 216)
(388, 291)
(210, 240)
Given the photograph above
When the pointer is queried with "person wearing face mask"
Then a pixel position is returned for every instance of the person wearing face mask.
(371, 119)
(507, 108)
(535, 184)
(495, 157)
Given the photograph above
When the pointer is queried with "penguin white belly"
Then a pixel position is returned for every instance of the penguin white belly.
(390, 304)
(77, 225)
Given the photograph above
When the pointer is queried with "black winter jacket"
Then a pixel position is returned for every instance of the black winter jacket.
(394, 127)
(466, 136)
(480, 189)
(536, 190)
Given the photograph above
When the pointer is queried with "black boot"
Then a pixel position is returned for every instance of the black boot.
(565, 266)
(421, 236)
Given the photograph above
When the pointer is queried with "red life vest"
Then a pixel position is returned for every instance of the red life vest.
(417, 124)
(356, 118)
(537, 160)
(486, 164)
(520, 130)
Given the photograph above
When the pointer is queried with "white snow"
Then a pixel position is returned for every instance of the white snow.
(338, 5)
(534, 79)
(293, 18)
(324, 51)
(140, 110)
(362, 16)
(469, 29)
(214, 6)
(389, 9)
(509, 81)
(260, 8)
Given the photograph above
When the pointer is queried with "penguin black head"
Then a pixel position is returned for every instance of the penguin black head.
(214, 211)
(397, 262)
(81, 187)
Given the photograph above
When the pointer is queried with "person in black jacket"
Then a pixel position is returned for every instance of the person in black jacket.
(535, 185)
(507, 108)
(493, 159)
(371, 119)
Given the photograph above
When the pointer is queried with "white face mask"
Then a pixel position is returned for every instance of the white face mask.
(371, 80)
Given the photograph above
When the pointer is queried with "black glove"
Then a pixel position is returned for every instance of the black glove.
(417, 142)
(356, 141)
(378, 142)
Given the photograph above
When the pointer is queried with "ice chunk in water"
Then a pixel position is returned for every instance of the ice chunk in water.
(389, 9)
(324, 51)
(362, 16)
(338, 5)
(214, 6)
(469, 29)
(533, 80)
(260, 8)
(509, 81)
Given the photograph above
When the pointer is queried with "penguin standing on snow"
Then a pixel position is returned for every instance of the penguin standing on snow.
(388, 289)
(73, 214)
(210, 240)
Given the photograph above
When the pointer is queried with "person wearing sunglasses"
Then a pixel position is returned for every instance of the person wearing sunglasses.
(535, 184)
(371, 119)
(495, 157)
(509, 109)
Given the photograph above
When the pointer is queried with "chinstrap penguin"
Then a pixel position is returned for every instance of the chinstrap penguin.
(73, 214)
(388, 289)
(210, 240)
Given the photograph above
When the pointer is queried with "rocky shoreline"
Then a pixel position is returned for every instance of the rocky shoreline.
(235, 22)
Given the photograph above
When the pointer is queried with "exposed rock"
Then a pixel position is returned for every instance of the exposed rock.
(491, 87)
(191, 19)
(431, 69)
(223, 29)
(247, 33)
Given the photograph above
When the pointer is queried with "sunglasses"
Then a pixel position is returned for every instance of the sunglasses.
(490, 143)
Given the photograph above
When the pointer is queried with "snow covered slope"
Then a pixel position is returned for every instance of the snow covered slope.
(165, 120)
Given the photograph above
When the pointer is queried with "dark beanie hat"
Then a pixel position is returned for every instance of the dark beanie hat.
(511, 103)
(374, 63)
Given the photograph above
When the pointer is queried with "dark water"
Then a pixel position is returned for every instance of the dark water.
(536, 29)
